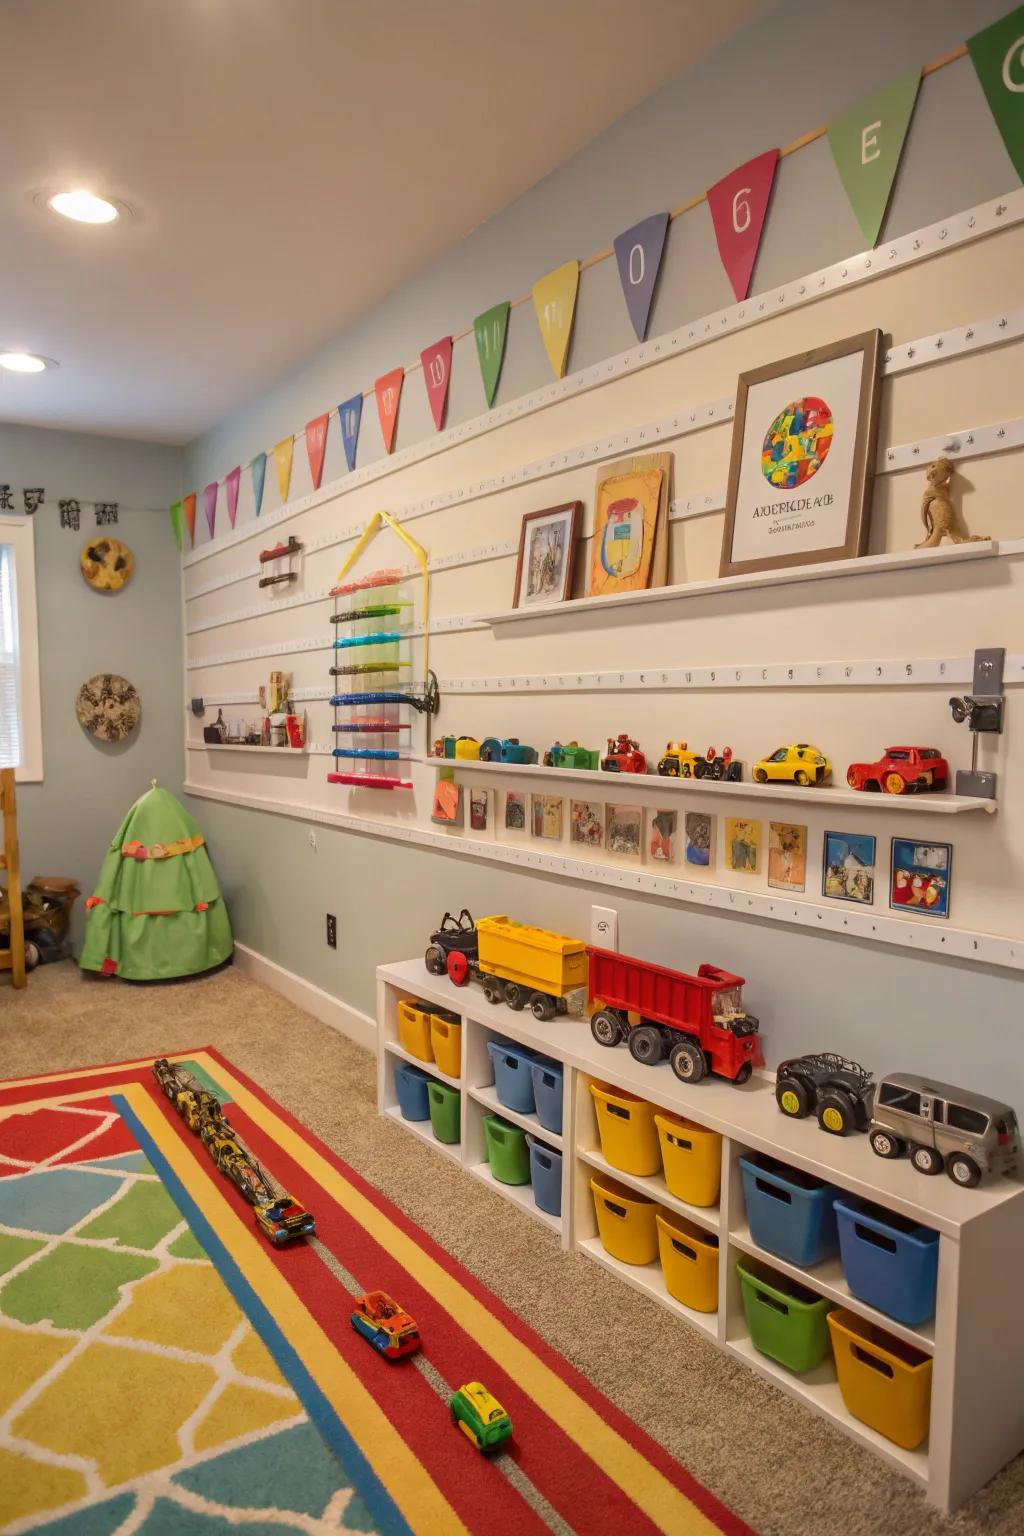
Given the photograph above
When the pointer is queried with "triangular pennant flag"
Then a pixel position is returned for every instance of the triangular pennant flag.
(491, 332)
(259, 476)
(739, 203)
(866, 145)
(350, 414)
(210, 505)
(997, 54)
(437, 372)
(638, 254)
(554, 299)
(283, 464)
(316, 446)
(178, 525)
(388, 389)
(231, 481)
(188, 507)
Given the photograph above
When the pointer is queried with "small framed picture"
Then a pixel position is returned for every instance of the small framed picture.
(848, 867)
(547, 816)
(662, 836)
(586, 823)
(920, 876)
(699, 839)
(480, 809)
(515, 812)
(787, 856)
(447, 807)
(742, 844)
(624, 830)
(547, 555)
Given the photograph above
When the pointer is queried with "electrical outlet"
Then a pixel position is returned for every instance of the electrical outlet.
(332, 931)
(604, 927)
(312, 838)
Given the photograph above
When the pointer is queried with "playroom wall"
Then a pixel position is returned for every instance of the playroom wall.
(808, 989)
(67, 821)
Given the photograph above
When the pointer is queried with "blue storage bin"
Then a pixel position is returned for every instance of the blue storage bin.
(546, 1176)
(512, 1081)
(790, 1212)
(547, 1092)
(411, 1085)
(890, 1262)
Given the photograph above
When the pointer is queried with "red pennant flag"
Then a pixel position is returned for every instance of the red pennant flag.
(738, 206)
(316, 446)
(188, 506)
(210, 505)
(231, 480)
(388, 390)
(437, 371)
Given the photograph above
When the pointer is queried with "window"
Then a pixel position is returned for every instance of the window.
(894, 1096)
(20, 733)
(972, 1120)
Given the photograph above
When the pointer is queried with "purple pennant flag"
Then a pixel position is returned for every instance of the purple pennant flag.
(259, 475)
(350, 414)
(638, 253)
(231, 480)
(210, 505)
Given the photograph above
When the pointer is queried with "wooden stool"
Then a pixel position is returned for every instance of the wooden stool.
(13, 958)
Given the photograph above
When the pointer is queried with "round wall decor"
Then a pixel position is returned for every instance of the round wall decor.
(108, 707)
(107, 564)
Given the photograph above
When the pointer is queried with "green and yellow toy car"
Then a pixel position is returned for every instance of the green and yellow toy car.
(481, 1417)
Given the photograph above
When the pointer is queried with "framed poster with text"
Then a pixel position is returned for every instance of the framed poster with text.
(803, 458)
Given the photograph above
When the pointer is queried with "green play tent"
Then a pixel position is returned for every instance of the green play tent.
(157, 910)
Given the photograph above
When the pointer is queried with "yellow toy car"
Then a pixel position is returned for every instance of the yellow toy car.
(467, 749)
(679, 762)
(796, 764)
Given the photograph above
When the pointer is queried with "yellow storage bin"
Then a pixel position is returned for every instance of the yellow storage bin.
(414, 1028)
(689, 1261)
(625, 1221)
(446, 1041)
(691, 1157)
(629, 1136)
(885, 1383)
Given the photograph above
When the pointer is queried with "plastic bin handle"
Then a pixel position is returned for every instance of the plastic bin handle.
(616, 1109)
(874, 1235)
(542, 1158)
(441, 1025)
(549, 1079)
(679, 1141)
(498, 1133)
(771, 1301)
(688, 1253)
(609, 1205)
(764, 1188)
(881, 1366)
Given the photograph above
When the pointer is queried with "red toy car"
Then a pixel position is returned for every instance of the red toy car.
(900, 771)
(623, 756)
(385, 1325)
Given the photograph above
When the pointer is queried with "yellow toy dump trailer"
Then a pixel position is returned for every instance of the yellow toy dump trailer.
(530, 967)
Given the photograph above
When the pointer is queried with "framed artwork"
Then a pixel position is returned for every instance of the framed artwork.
(920, 876)
(447, 807)
(547, 555)
(586, 822)
(547, 816)
(699, 838)
(803, 454)
(515, 812)
(787, 856)
(662, 839)
(848, 867)
(742, 844)
(479, 809)
(631, 526)
(624, 829)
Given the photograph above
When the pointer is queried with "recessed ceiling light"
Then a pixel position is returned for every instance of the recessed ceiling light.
(25, 362)
(83, 206)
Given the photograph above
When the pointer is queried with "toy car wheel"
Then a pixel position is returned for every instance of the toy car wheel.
(852, 778)
(760, 776)
(32, 955)
(895, 784)
(687, 1061)
(434, 960)
(792, 1097)
(734, 773)
(606, 1027)
(801, 778)
(926, 1159)
(486, 755)
(515, 995)
(542, 1007)
(645, 1044)
(493, 991)
(610, 767)
(963, 1170)
(836, 1113)
(743, 1075)
(885, 1144)
(685, 771)
(457, 967)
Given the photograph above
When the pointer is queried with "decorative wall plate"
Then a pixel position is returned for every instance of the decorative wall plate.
(108, 707)
(106, 563)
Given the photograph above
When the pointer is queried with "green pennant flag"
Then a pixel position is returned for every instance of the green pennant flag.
(998, 57)
(178, 524)
(491, 330)
(866, 145)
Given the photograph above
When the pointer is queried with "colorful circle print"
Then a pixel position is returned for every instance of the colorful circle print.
(796, 444)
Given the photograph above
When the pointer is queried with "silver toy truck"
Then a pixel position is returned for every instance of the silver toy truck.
(943, 1127)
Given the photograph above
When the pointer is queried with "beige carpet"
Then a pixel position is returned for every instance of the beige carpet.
(783, 1470)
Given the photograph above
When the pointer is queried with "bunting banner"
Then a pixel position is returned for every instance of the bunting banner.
(638, 253)
(188, 507)
(178, 525)
(388, 389)
(739, 206)
(437, 372)
(259, 477)
(997, 54)
(283, 464)
(866, 144)
(491, 332)
(350, 414)
(231, 483)
(316, 447)
(210, 504)
(554, 299)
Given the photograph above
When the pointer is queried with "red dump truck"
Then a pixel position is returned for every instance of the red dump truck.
(699, 1021)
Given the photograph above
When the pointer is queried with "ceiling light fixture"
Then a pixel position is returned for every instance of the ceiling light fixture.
(84, 207)
(25, 362)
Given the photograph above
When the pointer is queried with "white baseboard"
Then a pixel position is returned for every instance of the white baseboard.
(349, 1022)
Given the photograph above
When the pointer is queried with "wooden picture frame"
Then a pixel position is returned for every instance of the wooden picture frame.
(632, 499)
(803, 497)
(543, 585)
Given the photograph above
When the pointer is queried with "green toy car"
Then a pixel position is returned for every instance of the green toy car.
(571, 755)
(481, 1417)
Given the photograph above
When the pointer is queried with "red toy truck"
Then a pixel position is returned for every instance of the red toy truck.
(901, 770)
(623, 756)
(698, 1021)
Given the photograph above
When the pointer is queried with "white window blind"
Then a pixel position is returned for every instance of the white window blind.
(10, 723)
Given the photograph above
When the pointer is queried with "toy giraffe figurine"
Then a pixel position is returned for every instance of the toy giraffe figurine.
(937, 513)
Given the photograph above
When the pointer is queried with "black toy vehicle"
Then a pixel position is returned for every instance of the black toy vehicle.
(455, 935)
(836, 1090)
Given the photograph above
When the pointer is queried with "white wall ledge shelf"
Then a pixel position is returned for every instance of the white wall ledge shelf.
(240, 746)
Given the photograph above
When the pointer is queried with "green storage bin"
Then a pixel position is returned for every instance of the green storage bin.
(787, 1321)
(445, 1108)
(507, 1150)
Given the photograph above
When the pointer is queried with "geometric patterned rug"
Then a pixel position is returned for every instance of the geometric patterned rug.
(163, 1371)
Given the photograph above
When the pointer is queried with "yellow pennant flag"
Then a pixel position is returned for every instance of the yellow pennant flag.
(283, 465)
(554, 299)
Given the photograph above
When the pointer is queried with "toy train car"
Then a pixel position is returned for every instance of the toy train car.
(516, 964)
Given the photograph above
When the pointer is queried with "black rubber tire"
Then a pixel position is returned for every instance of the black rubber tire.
(885, 1144)
(760, 776)
(688, 1055)
(799, 1090)
(435, 961)
(542, 1007)
(743, 1075)
(494, 992)
(669, 769)
(646, 1044)
(963, 1170)
(926, 1160)
(515, 996)
(606, 1027)
(843, 1106)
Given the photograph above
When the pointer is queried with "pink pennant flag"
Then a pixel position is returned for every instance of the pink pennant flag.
(231, 480)
(210, 505)
(316, 446)
(739, 203)
(437, 371)
(388, 389)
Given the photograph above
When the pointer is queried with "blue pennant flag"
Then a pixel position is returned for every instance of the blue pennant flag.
(259, 474)
(638, 253)
(350, 414)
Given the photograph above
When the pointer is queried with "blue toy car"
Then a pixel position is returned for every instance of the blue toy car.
(510, 750)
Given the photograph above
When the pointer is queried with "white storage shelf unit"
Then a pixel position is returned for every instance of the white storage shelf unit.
(977, 1335)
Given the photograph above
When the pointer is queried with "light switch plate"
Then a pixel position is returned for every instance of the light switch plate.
(604, 927)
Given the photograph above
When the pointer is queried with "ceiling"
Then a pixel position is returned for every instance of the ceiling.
(290, 166)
